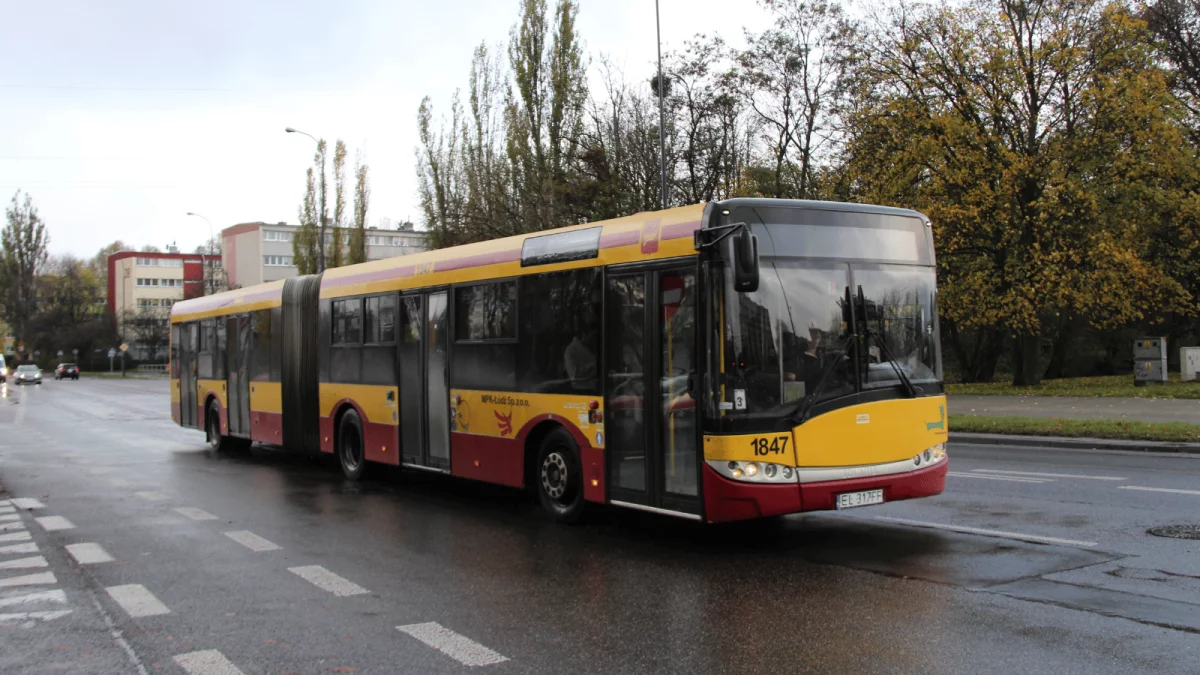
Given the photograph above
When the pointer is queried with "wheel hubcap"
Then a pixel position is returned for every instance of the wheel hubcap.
(554, 475)
(351, 451)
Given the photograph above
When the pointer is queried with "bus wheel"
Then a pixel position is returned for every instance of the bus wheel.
(350, 446)
(212, 423)
(560, 476)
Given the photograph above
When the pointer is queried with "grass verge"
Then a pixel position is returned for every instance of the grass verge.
(1170, 432)
(1120, 386)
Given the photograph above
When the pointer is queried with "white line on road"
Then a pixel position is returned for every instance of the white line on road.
(29, 580)
(12, 526)
(57, 596)
(324, 579)
(458, 647)
(1050, 475)
(9, 517)
(33, 616)
(52, 523)
(1036, 538)
(252, 541)
(19, 548)
(137, 601)
(120, 482)
(88, 554)
(8, 509)
(195, 513)
(24, 563)
(27, 503)
(1154, 489)
(1010, 479)
(207, 662)
(15, 536)
(151, 496)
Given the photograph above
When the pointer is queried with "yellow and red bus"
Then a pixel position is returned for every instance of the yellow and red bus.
(716, 362)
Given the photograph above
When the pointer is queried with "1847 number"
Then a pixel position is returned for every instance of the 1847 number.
(764, 445)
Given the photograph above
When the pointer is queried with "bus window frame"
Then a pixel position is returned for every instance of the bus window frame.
(516, 318)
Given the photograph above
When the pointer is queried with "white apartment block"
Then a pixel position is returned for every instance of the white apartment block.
(255, 253)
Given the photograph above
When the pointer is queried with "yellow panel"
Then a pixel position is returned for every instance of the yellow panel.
(775, 447)
(872, 433)
(266, 397)
(372, 398)
(237, 301)
(174, 391)
(216, 387)
(503, 415)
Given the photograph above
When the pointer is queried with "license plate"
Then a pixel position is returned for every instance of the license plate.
(849, 500)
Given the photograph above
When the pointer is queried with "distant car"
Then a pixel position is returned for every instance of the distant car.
(65, 370)
(27, 374)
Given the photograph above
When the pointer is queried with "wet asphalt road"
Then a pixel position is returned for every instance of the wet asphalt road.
(1050, 570)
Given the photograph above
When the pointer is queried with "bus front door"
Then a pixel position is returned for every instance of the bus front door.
(651, 424)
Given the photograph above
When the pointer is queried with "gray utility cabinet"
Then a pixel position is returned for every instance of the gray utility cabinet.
(1149, 361)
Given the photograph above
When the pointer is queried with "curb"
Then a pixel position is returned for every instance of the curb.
(1073, 443)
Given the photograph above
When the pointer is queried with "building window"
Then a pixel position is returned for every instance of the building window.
(147, 262)
(277, 260)
(170, 262)
(486, 312)
(276, 235)
(380, 319)
(347, 321)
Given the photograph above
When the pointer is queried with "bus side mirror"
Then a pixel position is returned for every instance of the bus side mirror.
(745, 261)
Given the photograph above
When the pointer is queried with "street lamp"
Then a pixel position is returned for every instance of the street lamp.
(207, 265)
(662, 139)
(321, 214)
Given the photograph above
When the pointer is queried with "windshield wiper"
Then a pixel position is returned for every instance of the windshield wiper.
(800, 414)
(909, 388)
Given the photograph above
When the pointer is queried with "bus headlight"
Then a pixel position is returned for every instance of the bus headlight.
(754, 472)
(932, 455)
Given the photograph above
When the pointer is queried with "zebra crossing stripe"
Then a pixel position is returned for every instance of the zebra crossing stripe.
(29, 580)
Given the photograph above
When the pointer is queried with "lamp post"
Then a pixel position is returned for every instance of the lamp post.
(207, 264)
(321, 213)
(662, 138)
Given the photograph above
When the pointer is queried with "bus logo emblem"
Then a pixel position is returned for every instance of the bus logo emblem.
(504, 422)
(650, 232)
(941, 423)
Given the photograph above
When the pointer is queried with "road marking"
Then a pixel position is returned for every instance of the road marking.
(120, 482)
(19, 548)
(16, 525)
(15, 536)
(99, 471)
(57, 596)
(252, 541)
(29, 580)
(88, 554)
(1052, 475)
(1036, 538)
(52, 523)
(458, 647)
(1154, 489)
(9, 517)
(31, 617)
(1011, 479)
(8, 509)
(27, 503)
(24, 563)
(137, 601)
(195, 513)
(151, 496)
(324, 579)
(207, 662)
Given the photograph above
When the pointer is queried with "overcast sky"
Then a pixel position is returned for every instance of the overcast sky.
(120, 117)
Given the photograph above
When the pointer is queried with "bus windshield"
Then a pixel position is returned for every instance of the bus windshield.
(798, 340)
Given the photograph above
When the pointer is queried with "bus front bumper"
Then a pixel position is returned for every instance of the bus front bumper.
(727, 500)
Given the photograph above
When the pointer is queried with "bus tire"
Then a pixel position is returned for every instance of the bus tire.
(212, 430)
(351, 450)
(558, 476)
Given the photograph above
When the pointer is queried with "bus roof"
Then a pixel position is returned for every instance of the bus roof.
(262, 296)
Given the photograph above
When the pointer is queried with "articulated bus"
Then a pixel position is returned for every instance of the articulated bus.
(717, 362)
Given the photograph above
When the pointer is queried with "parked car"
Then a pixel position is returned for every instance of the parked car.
(27, 374)
(65, 370)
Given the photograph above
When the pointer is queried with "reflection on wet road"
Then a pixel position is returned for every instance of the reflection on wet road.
(269, 562)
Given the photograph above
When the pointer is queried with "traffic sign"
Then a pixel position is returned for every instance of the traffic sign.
(75, 351)
(60, 353)
(112, 353)
(124, 346)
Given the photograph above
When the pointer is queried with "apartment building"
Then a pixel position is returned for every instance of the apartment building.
(141, 289)
(255, 253)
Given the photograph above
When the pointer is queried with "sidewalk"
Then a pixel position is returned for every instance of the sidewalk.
(1070, 407)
